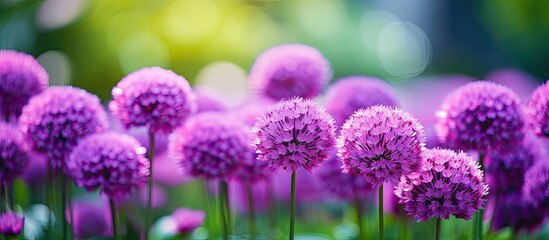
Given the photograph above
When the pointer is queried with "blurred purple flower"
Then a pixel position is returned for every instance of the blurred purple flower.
(536, 184)
(21, 77)
(56, 119)
(141, 134)
(14, 155)
(205, 103)
(294, 133)
(111, 162)
(290, 70)
(481, 116)
(153, 97)
(343, 186)
(352, 93)
(167, 171)
(238, 196)
(11, 224)
(92, 218)
(211, 145)
(187, 220)
(381, 144)
(521, 82)
(538, 110)
(390, 202)
(514, 211)
(449, 183)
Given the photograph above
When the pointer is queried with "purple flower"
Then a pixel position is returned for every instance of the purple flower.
(517, 212)
(92, 218)
(14, 155)
(112, 162)
(290, 70)
(505, 170)
(349, 94)
(153, 97)
(294, 133)
(11, 224)
(56, 119)
(341, 185)
(521, 82)
(187, 220)
(480, 116)
(211, 145)
(449, 183)
(21, 77)
(381, 144)
(205, 103)
(536, 184)
(538, 110)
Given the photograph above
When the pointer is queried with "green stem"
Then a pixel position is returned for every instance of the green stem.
(222, 211)
(292, 207)
(227, 207)
(148, 217)
(403, 229)
(114, 218)
(209, 208)
(380, 213)
(437, 229)
(358, 209)
(251, 210)
(64, 203)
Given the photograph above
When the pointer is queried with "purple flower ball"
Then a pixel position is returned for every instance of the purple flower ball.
(536, 184)
(294, 133)
(343, 186)
(14, 155)
(381, 144)
(56, 119)
(517, 212)
(290, 70)
(538, 110)
(153, 97)
(187, 220)
(11, 224)
(449, 183)
(111, 162)
(350, 94)
(211, 145)
(480, 116)
(21, 77)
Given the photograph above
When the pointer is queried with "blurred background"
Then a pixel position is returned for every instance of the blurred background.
(93, 44)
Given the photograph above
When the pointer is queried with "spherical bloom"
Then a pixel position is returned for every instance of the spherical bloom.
(538, 110)
(505, 170)
(536, 184)
(349, 94)
(187, 220)
(13, 153)
(341, 185)
(517, 212)
(211, 145)
(11, 224)
(381, 144)
(153, 97)
(58, 118)
(21, 77)
(480, 116)
(290, 70)
(449, 183)
(112, 162)
(294, 133)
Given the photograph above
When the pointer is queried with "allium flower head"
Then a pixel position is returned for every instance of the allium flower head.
(381, 144)
(11, 224)
(211, 145)
(480, 116)
(536, 184)
(341, 185)
(153, 97)
(352, 93)
(449, 183)
(56, 119)
(110, 162)
(517, 212)
(538, 110)
(21, 77)
(294, 133)
(290, 70)
(13, 153)
(187, 220)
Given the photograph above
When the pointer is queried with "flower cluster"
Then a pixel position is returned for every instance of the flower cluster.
(11, 224)
(294, 133)
(538, 110)
(153, 97)
(381, 144)
(14, 155)
(291, 70)
(449, 183)
(56, 119)
(481, 116)
(112, 162)
(536, 184)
